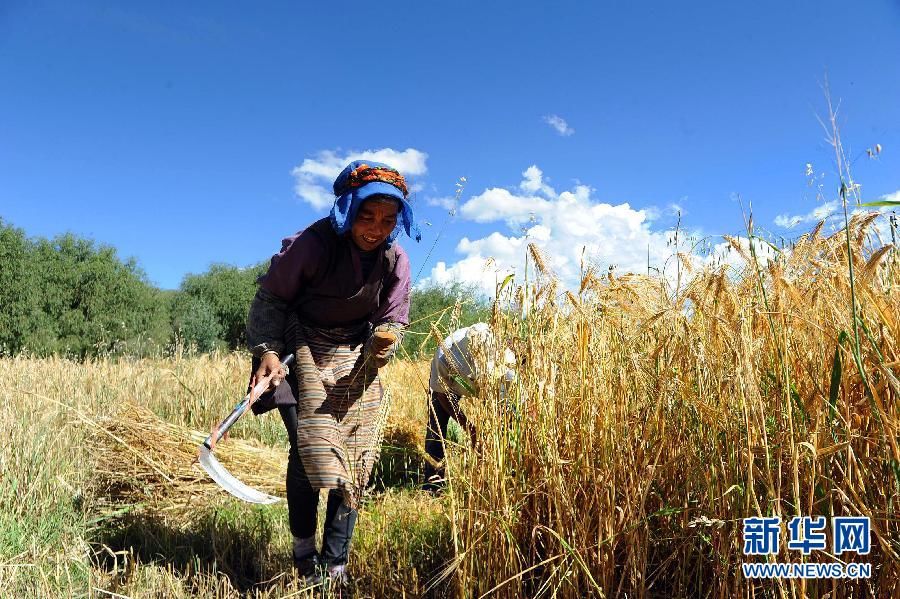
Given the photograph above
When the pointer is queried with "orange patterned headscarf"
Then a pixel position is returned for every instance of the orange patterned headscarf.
(366, 174)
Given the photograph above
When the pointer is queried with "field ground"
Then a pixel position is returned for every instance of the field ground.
(645, 425)
(62, 535)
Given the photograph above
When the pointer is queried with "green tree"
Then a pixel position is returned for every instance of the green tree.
(227, 291)
(197, 323)
(18, 297)
(448, 308)
(73, 297)
(92, 302)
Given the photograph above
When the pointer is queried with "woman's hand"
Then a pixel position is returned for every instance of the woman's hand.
(270, 365)
(380, 347)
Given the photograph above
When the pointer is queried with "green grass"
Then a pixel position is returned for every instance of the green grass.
(56, 540)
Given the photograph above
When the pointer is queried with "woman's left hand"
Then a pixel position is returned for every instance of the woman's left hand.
(380, 347)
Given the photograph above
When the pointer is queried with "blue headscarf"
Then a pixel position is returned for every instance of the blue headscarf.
(350, 192)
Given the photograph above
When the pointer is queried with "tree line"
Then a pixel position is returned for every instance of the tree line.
(73, 297)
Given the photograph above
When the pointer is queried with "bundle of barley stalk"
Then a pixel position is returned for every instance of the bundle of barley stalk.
(146, 462)
(143, 461)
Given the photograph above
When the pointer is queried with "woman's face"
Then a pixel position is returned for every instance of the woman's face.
(375, 220)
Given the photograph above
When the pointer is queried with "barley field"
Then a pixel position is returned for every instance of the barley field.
(647, 421)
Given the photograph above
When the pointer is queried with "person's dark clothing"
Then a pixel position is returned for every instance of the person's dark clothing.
(303, 500)
(435, 437)
(321, 276)
(321, 298)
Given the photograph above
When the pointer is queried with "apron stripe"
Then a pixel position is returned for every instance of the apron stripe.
(338, 404)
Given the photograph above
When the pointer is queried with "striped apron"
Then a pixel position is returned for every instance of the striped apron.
(339, 395)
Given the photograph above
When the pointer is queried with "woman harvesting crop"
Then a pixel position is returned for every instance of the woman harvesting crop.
(338, 296)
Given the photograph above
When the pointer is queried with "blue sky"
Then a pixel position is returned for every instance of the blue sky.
(181, 133)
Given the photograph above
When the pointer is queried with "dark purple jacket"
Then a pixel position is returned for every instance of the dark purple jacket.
(319, 275)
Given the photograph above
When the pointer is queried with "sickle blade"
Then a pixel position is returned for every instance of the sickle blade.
(218, 473)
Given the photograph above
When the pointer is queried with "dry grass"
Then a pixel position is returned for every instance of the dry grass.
(648, 424)
(644, 427)
(140, 459)
(101, 490)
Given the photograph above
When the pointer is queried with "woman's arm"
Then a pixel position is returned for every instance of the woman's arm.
(394, 305)
(300, 256)
(392, 315)
(265, 333)
(265, 323)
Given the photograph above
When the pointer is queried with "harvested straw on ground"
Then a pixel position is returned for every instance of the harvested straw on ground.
(142, 459)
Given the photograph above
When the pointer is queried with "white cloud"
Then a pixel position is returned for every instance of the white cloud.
(829, 209)
(568, 226)
(571, 230)
(882, 225)
(500, 204)
(473, 269)
(445, 202)
(652, 213)
(891, 197)
(560, 124)
(534, 182)
(822, 212)
(315, 175)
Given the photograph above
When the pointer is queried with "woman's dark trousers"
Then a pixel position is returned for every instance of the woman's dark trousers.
(303, 503)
